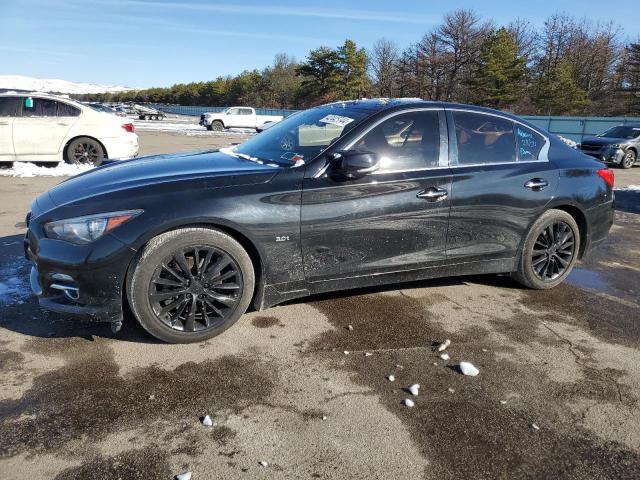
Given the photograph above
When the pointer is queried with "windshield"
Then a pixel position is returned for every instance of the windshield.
(302, 136)
(621, 132)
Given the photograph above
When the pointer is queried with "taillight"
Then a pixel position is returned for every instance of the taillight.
(128, 127)
(607, 175)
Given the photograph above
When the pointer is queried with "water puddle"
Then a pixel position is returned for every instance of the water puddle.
(584, 278)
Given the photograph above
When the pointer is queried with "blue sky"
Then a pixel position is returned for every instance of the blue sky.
(144, 43)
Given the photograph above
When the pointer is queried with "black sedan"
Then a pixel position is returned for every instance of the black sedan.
(345, 195)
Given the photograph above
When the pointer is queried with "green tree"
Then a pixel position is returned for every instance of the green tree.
(352, 63)
(499, 75)
(557, 93)
(320, 73)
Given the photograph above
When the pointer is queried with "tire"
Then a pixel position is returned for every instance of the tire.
(85, 151)
(184, 321)
(559, 262)
(217, 126)
(629, 159)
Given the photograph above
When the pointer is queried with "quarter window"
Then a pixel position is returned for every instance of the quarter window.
(9, 106)
(66, 110)
(484, 139)
(529, 143)
(409, 141)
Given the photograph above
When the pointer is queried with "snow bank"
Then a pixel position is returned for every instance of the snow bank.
(26, 169)
(186, 128)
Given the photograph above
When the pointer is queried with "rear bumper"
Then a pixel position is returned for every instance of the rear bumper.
(79, 281)
(599, 222)
(123, 147)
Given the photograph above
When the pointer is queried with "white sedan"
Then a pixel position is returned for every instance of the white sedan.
(38, 127)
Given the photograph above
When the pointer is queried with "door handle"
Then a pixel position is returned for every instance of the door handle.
(536, 184)
(62, 124)
(4, 123)
(433, 194)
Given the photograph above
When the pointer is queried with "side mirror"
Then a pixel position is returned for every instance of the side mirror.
(354, 164)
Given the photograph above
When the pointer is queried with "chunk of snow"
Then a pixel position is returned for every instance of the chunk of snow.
(414, 389)
(451, 390)
(391, 378)
(443, 346)
(324, 417)
(367, 354)
(61, 169)
(408, 402)
(568, 141)
(151, 397)
(435, 364)
(263, 463)
(485, 350)
(346, 352)
(467, 368)
(349, 327)
(207, 422)
(535, 427)
(184, 476)
(445, 356)
(503, 402)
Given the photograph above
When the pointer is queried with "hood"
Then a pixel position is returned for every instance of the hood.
(217, 168)
(602, 141)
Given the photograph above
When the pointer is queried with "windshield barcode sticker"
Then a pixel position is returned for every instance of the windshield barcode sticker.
(336, 120)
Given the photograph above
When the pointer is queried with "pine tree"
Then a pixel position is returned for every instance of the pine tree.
(352, 71)
(499, 75)
(557, 93)
(320, 73)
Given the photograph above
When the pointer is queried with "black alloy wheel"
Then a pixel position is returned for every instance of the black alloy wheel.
(553, 251)
(85, 151)
(196, 289)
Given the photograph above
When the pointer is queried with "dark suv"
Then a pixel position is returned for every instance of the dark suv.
(618, 146)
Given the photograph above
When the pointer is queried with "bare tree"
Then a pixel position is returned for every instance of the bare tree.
(383, 62)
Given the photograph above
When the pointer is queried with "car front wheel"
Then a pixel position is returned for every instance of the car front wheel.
(190, 284)
(629, 159)
(550, 251)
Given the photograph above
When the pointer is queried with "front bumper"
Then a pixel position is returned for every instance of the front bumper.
(79, 280)
(608, 155)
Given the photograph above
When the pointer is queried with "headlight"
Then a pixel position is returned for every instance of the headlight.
(83, 230)
(617, 145)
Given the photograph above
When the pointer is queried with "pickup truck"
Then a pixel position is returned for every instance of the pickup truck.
(236, 117)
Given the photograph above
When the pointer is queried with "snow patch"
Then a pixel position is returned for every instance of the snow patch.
(14, 283)
(629, 188)
(26, 169)
(467, 368)
(568, 141)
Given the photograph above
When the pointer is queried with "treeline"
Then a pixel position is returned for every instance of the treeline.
(570, 66)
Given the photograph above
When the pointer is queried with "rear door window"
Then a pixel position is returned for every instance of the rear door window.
(39, 107)
(9, 106)
(245, 111)
(484, 139)
(530, 143)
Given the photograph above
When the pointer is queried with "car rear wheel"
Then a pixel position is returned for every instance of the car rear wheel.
(217, 126)
(85, 151)
(190, 284)
(550, 251)
(629, 159)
